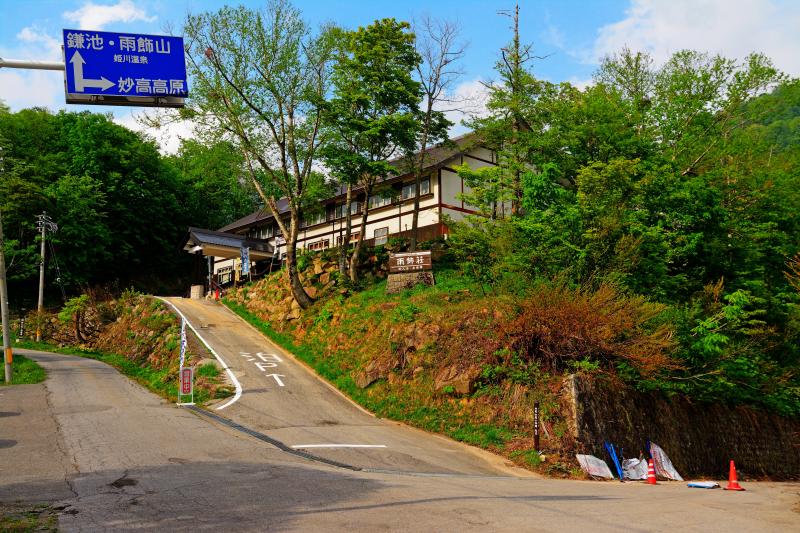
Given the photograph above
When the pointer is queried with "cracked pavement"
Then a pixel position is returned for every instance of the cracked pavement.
(109, 455)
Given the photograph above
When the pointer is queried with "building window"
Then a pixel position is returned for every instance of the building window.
(319, 245)
(379, 201)
(381, 236)
(313, 219)
(316, 218)
(341, 212)
(264, 232)
(424, 188)
(353, 238)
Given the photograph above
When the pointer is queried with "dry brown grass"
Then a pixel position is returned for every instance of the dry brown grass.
(556, 325)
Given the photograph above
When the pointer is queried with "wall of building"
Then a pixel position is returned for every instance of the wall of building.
(397, 217)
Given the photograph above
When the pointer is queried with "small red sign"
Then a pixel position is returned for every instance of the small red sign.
(186, 381)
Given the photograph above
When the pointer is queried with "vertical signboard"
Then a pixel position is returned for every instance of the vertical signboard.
(186, 381)
(245, 252)
(183, 341)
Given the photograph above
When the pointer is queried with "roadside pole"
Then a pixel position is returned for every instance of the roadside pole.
(40, 306)
(45, 224)
(8, 356)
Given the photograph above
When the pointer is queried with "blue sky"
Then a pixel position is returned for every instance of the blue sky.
(573, 34)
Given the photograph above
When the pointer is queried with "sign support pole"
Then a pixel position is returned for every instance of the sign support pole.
(31, 64)
(185, 375)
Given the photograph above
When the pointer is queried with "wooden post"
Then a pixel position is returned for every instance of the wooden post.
(536, 426)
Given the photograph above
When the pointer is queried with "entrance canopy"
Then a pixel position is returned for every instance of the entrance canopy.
(227, 245)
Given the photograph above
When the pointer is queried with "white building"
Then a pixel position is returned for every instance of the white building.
(389, 210)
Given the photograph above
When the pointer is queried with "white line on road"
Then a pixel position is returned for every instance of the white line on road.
(277, 377)
(339, 446)
(210, 349)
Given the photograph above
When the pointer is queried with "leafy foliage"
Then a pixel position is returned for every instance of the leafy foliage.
(121, 207)
(659, 182)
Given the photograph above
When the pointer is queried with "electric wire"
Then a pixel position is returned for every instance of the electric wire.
(58, 271)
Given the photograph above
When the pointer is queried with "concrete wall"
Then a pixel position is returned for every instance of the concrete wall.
(699, 438)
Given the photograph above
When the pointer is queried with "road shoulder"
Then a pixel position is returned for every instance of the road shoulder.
(31, 437)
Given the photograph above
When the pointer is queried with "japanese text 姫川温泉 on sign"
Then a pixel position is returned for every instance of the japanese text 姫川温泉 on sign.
(124, 64)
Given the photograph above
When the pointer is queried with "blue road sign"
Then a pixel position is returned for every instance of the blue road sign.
(124, 64)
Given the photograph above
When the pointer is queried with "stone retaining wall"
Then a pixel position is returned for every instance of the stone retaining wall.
(700, 438)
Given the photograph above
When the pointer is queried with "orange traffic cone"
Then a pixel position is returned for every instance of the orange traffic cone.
(733, 484)
(651, 473)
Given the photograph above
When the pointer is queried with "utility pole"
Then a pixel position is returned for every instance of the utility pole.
(43, 223)
(8, 355)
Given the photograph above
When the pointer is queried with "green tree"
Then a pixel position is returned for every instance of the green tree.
(119, 207)
(217, 177)
(372, 114)
(258, 76)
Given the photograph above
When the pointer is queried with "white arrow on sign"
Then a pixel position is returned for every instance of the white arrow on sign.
(81, 83)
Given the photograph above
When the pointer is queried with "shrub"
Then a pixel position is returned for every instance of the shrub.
(563, 327)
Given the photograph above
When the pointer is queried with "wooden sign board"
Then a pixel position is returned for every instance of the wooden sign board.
(410, 262)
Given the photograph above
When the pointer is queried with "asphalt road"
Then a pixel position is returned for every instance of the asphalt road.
(113, 456)
(288, 402)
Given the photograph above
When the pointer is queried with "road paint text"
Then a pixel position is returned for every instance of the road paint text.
(265, 362)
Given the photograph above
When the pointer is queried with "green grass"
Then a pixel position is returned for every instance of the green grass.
(531, 457)
(381, 398)
(208, 370)
(27, 517)
(158, 381)
(25, 371)
(324, 367)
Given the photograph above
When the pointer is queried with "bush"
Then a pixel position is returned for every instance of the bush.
(576, 328)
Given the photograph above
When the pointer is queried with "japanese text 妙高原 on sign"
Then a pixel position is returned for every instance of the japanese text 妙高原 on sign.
(118, 66)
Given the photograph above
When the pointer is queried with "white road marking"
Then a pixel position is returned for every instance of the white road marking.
(269, 358)
(277, 378)
(339, 446)
(264, 366)
(235, 381)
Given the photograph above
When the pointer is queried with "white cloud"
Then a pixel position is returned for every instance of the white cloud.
(731, 28)
(93, 16)
(38, 38)
(32, 88)
(467, 100)
(20, 88)
(168, 136)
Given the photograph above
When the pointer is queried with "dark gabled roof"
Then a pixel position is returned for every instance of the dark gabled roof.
(436, 157)
(200, 237)
(262, 214)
